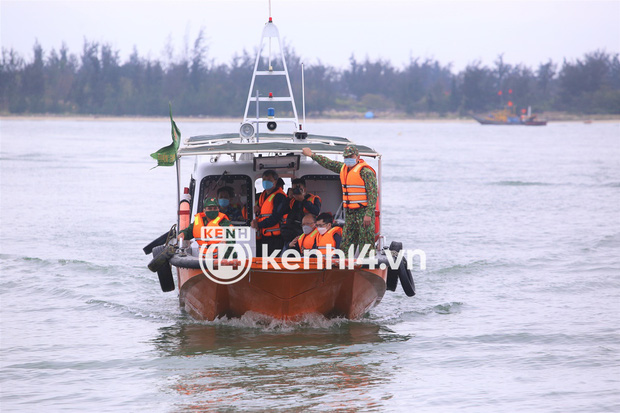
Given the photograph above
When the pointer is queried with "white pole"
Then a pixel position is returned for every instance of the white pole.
(269, 67)
(257, 115)
(303, 95)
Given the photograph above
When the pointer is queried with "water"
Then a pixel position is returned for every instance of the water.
(518, 308)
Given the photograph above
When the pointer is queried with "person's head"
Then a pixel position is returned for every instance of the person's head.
(351, 156)
(298, 183)
(299, 189)
(211, 208)
(324, 222)
(308, 223)
(270, 179)
(224, 195)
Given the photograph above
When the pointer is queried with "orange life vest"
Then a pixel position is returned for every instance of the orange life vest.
(306, 241)
(311, 199)
(265, 207)
(353, 187)
(199, 223)
(292, 201)
(322, 241)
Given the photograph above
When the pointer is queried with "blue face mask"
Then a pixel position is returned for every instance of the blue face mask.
(223, 202)
(350, 162)
(267, 185)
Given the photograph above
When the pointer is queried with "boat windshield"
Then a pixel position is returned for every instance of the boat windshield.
(232, 192)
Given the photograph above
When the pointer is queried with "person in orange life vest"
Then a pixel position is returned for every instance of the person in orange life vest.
(328, 234)
(310, 203)
(300, 204)
(359, 195)
(306, 240)
(272, 205)
(211, 216)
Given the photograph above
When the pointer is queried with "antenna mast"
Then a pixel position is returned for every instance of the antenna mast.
(303, 96)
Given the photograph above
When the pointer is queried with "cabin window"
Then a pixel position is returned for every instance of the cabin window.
(235, 188)
(328, 187)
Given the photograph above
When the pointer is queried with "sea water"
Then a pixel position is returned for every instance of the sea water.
(518, 309)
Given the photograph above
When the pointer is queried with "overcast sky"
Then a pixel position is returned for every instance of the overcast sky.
(457, 32)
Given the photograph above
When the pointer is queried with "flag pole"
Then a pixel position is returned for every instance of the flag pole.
(178, 167)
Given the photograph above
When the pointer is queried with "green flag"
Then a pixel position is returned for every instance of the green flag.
(167, 155)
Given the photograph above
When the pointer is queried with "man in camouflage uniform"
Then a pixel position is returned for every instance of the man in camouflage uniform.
(359, 227)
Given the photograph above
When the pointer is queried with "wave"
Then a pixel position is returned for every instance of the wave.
(398, 178)
(609, 241)
(394, 318)
(470, 267)
(132, 312)
(535, 183)
(54, 262)
(520, 183)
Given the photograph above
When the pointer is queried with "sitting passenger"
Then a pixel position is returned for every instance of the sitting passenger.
(306, 240)
(328, 234)
(224, 196)
(211, 216)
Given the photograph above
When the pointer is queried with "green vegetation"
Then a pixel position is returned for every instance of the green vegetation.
(97, 82)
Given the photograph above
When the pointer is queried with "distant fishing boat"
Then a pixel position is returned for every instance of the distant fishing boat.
(507, 116)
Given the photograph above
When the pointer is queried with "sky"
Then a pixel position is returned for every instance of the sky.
(330, 31)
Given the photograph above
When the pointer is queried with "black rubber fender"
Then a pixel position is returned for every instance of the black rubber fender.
(392, 274)
(406, 279)
(164, 271)
(161, 256)
(396, 246)
(186, 261)
(157, 241)
(392, 279)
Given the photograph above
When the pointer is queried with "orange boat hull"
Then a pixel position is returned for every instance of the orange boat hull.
(283, 294)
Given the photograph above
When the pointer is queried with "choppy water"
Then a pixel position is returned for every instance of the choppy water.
(517, 311)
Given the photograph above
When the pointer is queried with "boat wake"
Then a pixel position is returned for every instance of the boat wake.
(269, 324)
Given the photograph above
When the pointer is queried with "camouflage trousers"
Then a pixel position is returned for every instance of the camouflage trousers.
(354, 232)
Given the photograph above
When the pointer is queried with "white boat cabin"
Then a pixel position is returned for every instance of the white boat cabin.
(227, 161)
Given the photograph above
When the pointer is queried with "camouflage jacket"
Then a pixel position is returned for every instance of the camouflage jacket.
(370, 181)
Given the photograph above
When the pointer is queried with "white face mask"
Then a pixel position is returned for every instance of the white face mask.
(307, 229)
(322, 230)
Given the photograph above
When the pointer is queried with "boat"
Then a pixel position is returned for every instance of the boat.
(507, 116)
(347, 288)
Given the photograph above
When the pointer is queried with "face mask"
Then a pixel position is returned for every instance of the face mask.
(223, 202)
(307, 229)
(267, 185)
(322, 230)
(211, 214)
(350, 162)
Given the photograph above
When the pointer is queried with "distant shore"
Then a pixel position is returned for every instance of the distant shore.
(331, 117)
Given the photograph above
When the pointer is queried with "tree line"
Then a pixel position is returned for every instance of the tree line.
(97, 82)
